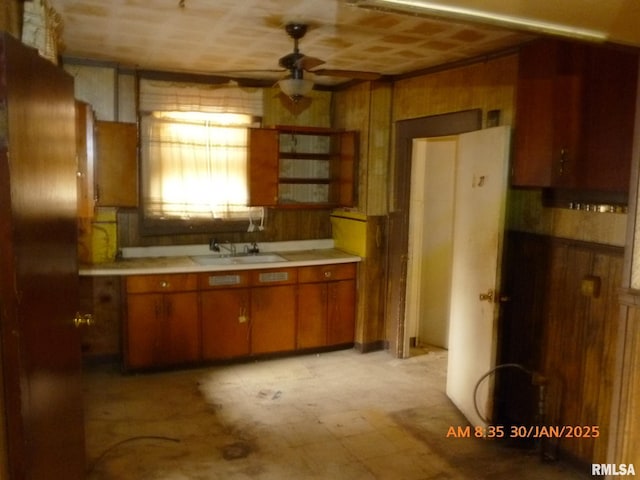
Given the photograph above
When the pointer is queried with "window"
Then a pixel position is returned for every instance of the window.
(194, 165)
(194, 158)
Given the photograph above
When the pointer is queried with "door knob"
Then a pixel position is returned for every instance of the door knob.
(83, 319)
(487, 296)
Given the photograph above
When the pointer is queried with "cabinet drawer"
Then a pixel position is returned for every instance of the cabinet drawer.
(162, 283)
(212, 280)
(274, 276)
(327, 273)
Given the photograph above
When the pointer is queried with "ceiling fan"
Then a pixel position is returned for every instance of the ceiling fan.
(296, 86)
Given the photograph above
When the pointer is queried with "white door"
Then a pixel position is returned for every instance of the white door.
(480, 198)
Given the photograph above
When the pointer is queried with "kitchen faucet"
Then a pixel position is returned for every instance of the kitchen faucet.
(216, 246)
(252, 249)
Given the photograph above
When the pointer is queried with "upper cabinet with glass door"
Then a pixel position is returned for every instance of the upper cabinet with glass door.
(302, 167)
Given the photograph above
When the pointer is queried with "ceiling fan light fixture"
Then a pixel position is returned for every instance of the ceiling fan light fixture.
(295, 88)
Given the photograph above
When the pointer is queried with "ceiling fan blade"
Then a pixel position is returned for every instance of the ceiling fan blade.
(263, 70)
(307, 63)
(355, 74)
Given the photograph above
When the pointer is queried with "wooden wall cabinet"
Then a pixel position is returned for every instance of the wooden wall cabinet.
(302, 167)
(116, 164)
(327, 302)
(574, 116)
(163, 325)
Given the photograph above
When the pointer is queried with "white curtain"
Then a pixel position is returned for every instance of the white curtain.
(194, 149)
(163, 96)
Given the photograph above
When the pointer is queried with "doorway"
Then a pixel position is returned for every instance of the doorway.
(406, 131)
(430, 252)
(458, 205)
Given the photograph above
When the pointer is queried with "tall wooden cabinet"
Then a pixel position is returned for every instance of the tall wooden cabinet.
(574, 116)
(302, 167)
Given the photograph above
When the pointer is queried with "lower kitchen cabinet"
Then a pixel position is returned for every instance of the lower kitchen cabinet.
(273, 311)
(225, 304)
(312, 318)
(326, 305)
(163, 325)
(342, 309)
(179, 319)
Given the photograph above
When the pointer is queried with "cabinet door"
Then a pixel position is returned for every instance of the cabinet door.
(225, 323)
(312, 315)
(273, 319)
(263, 167)
(609, 120)
(117, 164)
(85, 147)
(180, 332)
(143, 331)
(162, 329)
(548, 102)
(567, 154)
(342, 312)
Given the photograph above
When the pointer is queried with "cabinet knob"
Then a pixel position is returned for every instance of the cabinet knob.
(564, 158)
(164, 284)
(327, 274)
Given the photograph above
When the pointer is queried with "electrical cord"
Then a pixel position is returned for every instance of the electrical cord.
(127, 440)
(491, 372)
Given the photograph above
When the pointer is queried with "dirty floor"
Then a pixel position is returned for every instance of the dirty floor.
(338, 415)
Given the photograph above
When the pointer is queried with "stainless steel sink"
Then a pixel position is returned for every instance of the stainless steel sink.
(238, 260)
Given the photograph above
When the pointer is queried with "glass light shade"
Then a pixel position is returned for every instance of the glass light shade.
(295, 87)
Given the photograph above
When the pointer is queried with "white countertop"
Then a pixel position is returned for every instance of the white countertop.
(179, 259)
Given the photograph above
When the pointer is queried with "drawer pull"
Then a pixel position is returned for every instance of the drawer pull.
(327, 274)
(164, 284)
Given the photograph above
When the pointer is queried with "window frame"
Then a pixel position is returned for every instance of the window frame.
(153, 226)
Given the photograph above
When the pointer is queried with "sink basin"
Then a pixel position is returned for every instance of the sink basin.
(239, 260)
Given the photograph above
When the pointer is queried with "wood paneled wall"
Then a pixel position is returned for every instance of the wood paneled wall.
(280, 225)
(487, 85)
(554, 326)
(625, 446)
(367, 108)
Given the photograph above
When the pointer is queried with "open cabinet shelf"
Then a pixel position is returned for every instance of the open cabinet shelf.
(302, 167)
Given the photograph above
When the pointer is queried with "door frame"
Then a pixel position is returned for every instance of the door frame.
(452, 123)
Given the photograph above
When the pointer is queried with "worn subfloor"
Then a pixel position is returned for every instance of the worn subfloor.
(339, 415)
